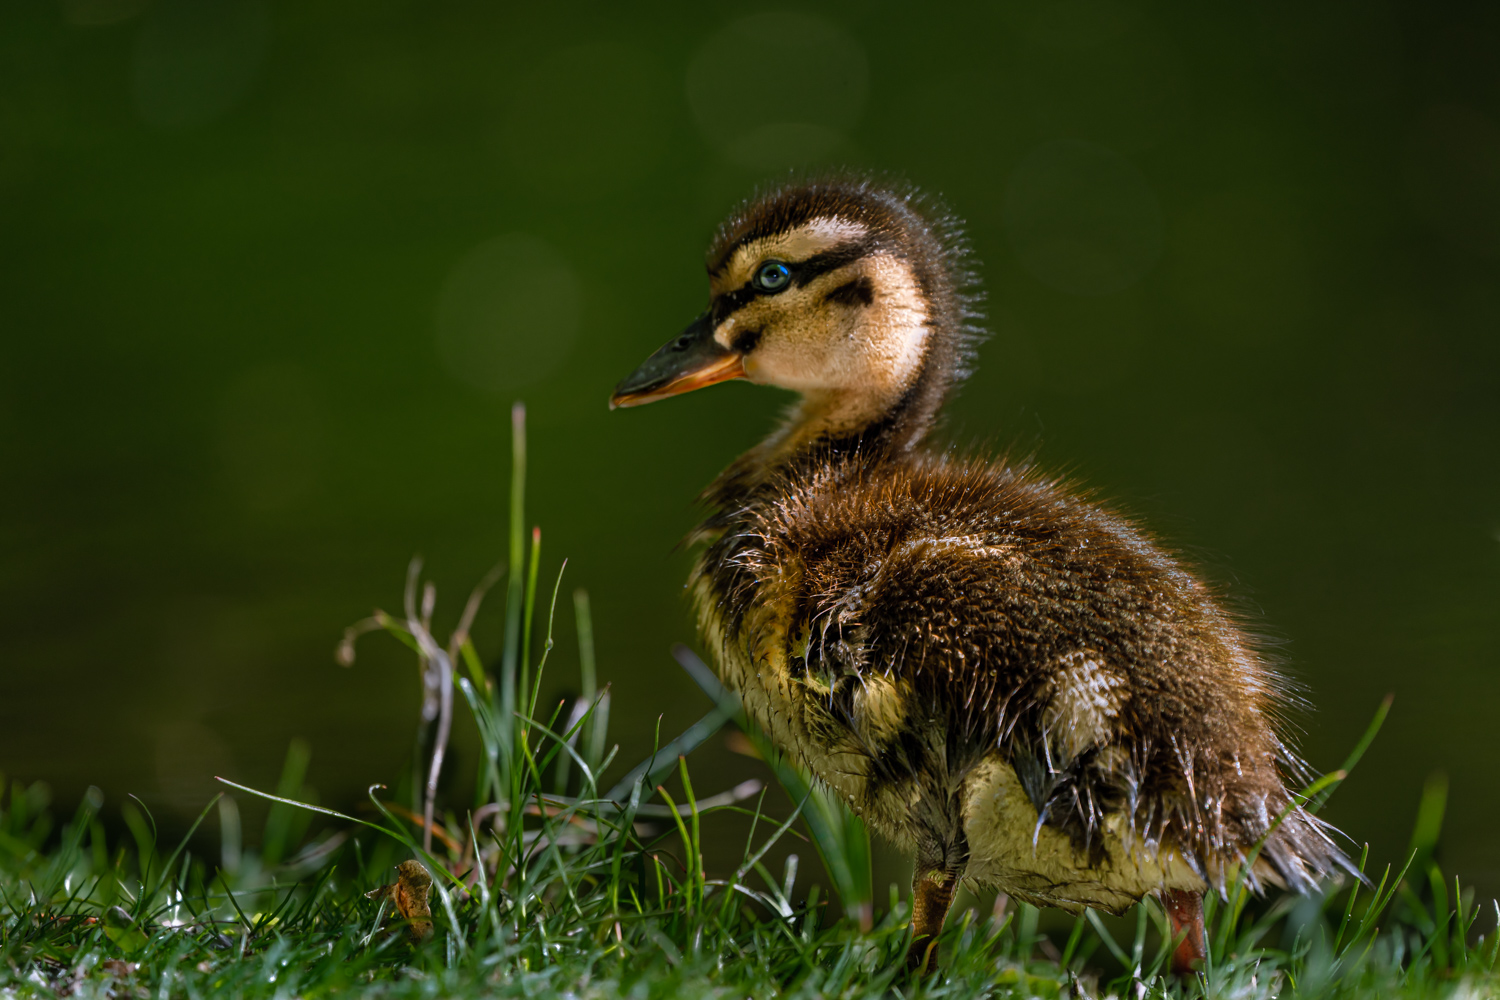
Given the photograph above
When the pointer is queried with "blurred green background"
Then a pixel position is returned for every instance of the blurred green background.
(271, 276)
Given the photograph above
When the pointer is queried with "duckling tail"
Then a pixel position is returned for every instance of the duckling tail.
(1299, 854)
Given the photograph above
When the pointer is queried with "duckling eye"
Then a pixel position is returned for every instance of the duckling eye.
(772, 276)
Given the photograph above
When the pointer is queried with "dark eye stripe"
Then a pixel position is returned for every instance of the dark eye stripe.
(859, 292)
(830, 260)
(729, 303)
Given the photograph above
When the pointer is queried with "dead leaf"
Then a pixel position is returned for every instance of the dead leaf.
(437, 831)
(408, 897)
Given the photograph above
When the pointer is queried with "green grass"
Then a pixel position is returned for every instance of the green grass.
(556, 883)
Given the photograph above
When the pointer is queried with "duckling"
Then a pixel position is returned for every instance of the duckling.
(1004, 677)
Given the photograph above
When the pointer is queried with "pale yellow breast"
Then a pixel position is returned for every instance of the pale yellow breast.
(1009, 852)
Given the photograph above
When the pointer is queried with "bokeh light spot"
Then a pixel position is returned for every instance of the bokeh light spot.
(587, 119)
(1082, 219)
(778, 90)
(194, 60)
(508, 313)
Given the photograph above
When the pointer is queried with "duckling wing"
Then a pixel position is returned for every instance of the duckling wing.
(986, 658)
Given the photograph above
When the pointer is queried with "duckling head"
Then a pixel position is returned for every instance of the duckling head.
(848, 292)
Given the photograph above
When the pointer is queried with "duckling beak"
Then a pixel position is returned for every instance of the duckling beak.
(691, 361)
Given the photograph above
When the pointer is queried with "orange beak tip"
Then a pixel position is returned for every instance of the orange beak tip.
(726, 369)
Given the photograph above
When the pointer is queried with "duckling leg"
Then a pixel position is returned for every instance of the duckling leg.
(1185, 909)
(932, 892)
